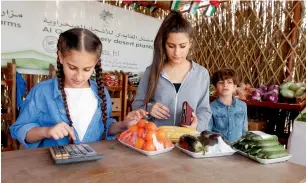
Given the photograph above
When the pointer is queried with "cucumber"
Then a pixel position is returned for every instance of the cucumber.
(261, 155)
(241, 146)
(264, 143)
(253, 136)
(248, 144)
(300, 119)
(303, 116)
(258, 137)
(272, 148)
(275, 154)
(250, 136)
(254, 151)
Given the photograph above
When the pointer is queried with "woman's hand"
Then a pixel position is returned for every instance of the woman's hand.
(159, 111)
(194, 122)
(59, 131)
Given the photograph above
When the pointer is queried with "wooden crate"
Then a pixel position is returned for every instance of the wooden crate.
(256, 125)
(116, 104)
(301, 100)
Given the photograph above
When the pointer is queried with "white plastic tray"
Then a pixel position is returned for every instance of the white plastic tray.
(148, 153)
(264, 161)
(201, 155)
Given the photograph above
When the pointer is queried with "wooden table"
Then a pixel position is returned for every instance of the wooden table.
(122, 164)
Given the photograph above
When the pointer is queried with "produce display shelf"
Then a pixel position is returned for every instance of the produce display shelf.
(287, 106)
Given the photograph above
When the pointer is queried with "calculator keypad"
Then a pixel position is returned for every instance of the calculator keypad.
(72, 151)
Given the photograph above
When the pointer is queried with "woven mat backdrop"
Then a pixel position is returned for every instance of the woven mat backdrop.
(263, 41)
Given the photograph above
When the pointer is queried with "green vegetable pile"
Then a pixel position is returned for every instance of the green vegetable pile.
(302, 118)
(292, 90)
(255, 145)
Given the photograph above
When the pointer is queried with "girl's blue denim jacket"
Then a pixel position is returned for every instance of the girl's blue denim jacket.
(44, 107)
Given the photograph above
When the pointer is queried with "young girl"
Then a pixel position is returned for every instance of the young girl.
(71, 105)
(172, 78)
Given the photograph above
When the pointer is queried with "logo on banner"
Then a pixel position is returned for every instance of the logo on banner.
(50, 44)
(106, 16)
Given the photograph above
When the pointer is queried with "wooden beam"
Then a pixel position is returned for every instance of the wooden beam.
(294, 36)
(125, 94)
(13, 96)
(29, 82)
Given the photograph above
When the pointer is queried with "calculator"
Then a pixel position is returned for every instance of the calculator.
(74, 153)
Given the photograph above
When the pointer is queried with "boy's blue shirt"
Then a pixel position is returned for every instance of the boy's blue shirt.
(230, 121)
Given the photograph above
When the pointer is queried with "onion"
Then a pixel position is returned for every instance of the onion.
(270, 97)
(255, 95)
(263, 89)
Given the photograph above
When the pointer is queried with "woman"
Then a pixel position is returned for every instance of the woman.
(172, 78)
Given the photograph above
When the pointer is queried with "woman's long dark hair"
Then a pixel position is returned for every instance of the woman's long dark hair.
(79, 39)
(173, 23)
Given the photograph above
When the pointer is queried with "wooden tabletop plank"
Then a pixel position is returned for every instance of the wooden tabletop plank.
(121, 164)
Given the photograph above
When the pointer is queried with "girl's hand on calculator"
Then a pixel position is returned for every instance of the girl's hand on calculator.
(60, 131)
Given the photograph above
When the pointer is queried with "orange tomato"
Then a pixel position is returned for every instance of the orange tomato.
(140, 132)
(133, 128)
(149, 146)
(141, 123)
(139, 143)
(149, 135)
(150, 126)
(167, 143)
(161, 135)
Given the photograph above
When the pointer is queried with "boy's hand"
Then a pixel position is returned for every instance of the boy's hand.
(194, 122)
(59, 131)
(159, 111)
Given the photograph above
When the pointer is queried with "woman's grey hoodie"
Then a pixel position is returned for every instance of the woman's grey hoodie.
(194, 89)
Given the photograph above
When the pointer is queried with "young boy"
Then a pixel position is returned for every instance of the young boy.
(229, 115)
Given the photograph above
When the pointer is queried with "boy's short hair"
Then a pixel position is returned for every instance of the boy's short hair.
(222, 75)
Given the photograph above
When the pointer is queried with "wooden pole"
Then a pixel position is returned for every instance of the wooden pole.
(293, 39)
(29, 82)
(125, 94)
(13, 96)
